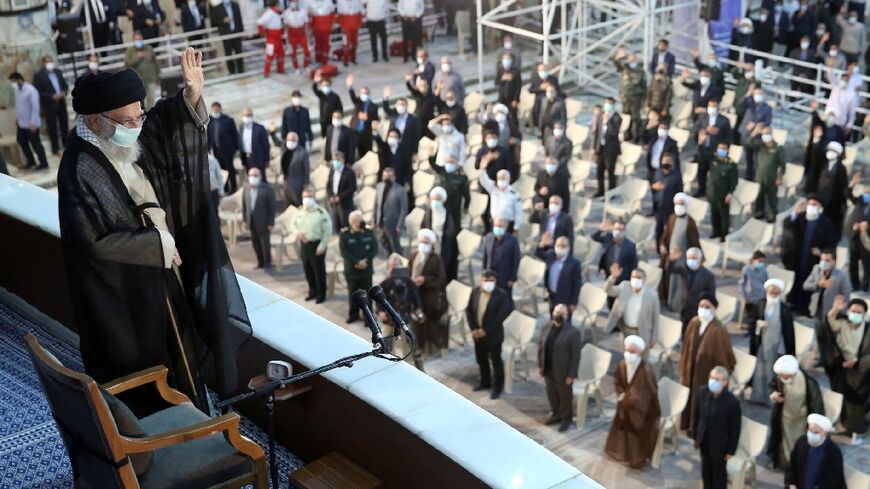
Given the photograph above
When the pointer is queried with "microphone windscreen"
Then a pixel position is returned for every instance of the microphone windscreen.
(360, 297)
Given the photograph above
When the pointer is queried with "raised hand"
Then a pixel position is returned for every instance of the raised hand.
(387, 91)
(348, 81)
(191, 71)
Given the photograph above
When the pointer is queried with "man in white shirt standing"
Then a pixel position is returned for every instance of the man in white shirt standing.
(636, 309)
(504, 202)
(271, 26)
(451, 143)
(295, 18)
(411, 12)
(376, 21)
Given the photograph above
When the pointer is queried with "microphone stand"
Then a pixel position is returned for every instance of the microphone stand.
(267, 392)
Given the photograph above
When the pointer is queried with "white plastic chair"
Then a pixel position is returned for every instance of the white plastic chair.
(673, 397)
(319, 178)
(669, 334)
(592, 299)
(468, 242)
(524, 108)
(791, 178)
(423, 183)
(804, 340)
(518, 331)
(594, 363)
(780, 136)
(625, 199)
(578, 134)
(681, 136)
(727, 101)
(742, 199)
(476, 207)
(690, 175)
(653, 274)
(743, 370)
(753, 436)
(283, 235)
(413, 223)
(365, 199)
(628, 159)
(230, 212)
(582, 208)
(641, 230)
(697, 208)
(458, 295)
(472, 103)
(712, 249)
(573, 107)
(833, 404)
(579, 171)
(586, 250)
(529, 276)
(855, 479)
(742, 243)
(726, 309)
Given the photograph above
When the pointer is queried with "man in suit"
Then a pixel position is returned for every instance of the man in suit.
(340, 188)
(564, 276)
(540, 80)
(297, 119)
(665, 191)
(365, 111)
(703, 90)
(554, 224)
(716, 428)
(424, 68)
(296, 168)
(605, 142)
(330, 102)
(691, 281)
(456, 112)
(391, 154)
(52, 99)
(147, 18)
(391, 207)
(859, 256)
(558, 362)
(825, 282)
(635, 310)
(757, 114)
(712, 129)
(104, 18)
(339, 139)
(552, 180)
(617, 248)
(661, 145)
(816, 461)
(662, 56)
(410, 129)
(501, 254)
(258, 209)
(551, 111)
(805, 53)
(804, 235)
(558, 146)
(228, 18)
(253, 142)
(509, 83)
(192, 17)
(223, 141)
(488, 307)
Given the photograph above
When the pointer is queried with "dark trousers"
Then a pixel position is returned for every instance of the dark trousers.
(215, 200)
(713, 472)
(227, 164)
(28, 140)
(261, 239)
(606, 163)
(721, 217)
(705, 155)
(354, 283)
(412, 37)
(55, 116)
(234, 46)
(858, 258)
(378, 29)
(487, 352)
(561, 397)
(339, 216)
(315, 269)
(749, 155)
(325, 122)
(766, 202)
(390, 241)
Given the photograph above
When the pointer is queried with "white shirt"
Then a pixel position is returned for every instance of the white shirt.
(844, 102)
(449, 145)
(320, 7)
(376, 10)
(194, 11)
(336, 179)
(295, 18)
(247, 131)
(270, 20)
(503, 204)
(656, 149)
(630, 369)
(410, 8)
(349, 7)
(631, 316)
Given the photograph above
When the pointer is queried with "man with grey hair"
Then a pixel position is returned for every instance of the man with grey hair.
(504, 201)
(447, 79)
(690, 279)
(358, 247)
(716, 428)
(636, 308)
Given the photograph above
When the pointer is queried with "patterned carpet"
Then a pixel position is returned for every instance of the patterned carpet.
(32, 454)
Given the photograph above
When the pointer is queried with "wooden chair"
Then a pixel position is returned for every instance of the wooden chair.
(594, 362)
(673, 397)
(178, 447)
(753, 436)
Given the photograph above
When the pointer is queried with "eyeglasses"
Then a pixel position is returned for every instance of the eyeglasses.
(128, 123)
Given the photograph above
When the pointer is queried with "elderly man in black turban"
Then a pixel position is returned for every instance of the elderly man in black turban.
(149, 274)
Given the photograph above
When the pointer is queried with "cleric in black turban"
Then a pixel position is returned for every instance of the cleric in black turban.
(149, 276)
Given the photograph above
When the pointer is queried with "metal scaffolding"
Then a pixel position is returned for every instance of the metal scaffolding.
(580, 37)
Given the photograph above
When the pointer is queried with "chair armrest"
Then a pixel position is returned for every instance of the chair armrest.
(156, 375)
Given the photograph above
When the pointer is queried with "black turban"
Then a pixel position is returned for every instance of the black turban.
(710, 297)
(95, 93)
(860, 302)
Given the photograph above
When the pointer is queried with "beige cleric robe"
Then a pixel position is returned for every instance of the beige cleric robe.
(634, 430)
(698, 357)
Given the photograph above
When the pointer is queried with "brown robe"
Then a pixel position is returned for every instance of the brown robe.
(699, 356)
(692, 241)
(634, 430)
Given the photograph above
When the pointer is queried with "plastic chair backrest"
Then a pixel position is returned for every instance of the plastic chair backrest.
(631, 153)
(458, 295)
(726, 308)
(698, 209)
(787, 276)
(735, 152)
(639, 228)
(518, 329)
(468, 242)
(833, 404)
(744, 368)
(413, 221)
(855, 479)
(593, 362)
(573, 108)
(746, 191)
(673, 397)
(653, 274)
(525, 186)
(804, 337)
(753, 436)
(472, 102)
(577, 133)
(793, 175)
(531, 270)
(669, 331)
(477, 204)
(366, 199)
(712, 250)
(529, 151)
(319, 177)
(592, 297)
(423, 183)
(681, 136)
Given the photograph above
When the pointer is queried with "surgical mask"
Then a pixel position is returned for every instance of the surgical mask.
(663, 133)
(832, 52)
(437, 205)
(551, 95)
(771, 298)
(543, 75)
(820, 32)
(450, 167)
(447, 128)
(49, 66)
(766, 138)
(487, 287)
(814, 439)
(722, 153)
(93, 66)
(558, 132)
(693, 263)
(705, 80)
(633, 65)
(499, 117)
(254, 181)
(498, 231)
(506, 64)
(292, 144)
(246, 120)
(424, 248)
(296, 101)
(759, 265)
(445, 67)
(758, 98)
(508, 45)
(746, 30)
(843, 83)
(336, 122)
(561, 252)
(450, 103)
(825, 265)
(554, 208)
(712, 112)
(491, 143)
(636, 283)
(421, 61)
(632, 358)
(680, 210)
(712, 63)
(763, 17)
(714, 386)
(617, 233)
(364, 97)
(326, 89)
(393, 141)
(856, 317)
(805, 44)
(401, 109)
(502, 184)
(608, 107)
(551, 168)
(813, 212)
(124, 136)
(338, 164)
(853, 20)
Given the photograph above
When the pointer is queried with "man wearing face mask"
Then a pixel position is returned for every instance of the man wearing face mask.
(665, 188)
(656, 149)
(847, 340)
(391, 154)
(52, 100)
(340, 188)
(509, 83)
(192, 17)
(832, 58)
(660, 91)
(552, 180)
(636, 308)
(339, 139)
(258, 210)
(456, 112)
(124, 235)
(551, 110)
(770, 159)
(723, 181)
(358, 247)
(227, 17)
(559, 147)
(663, 57)
(27, 122)
(805, 234)
(441, 222)
(501, 254)
(689, 282)
(563, 276)
(553, 223)
(852, 40)
(834, 187)
(330, 102)
(504, 201)
(296, 168)
(365, 112)
(632, 90)
(751, 284)
(147, 18)
(757, 114)
(223, 142)
(488, 307)
(142, 59)
(391, 207)
(253, 142)
(712, 130)
(825, 282)
(742, 33)
(703, 90)
(508, 49)
(541, 79)
(843, 103)
(816, 461)
(616, 248)
(803, 52)
(424, 68)
(859, 255)
(295, 17)
(424, 101)
(322, 19)
(794, 394)
(409, 127)
(427, 272)
(634, 431)
(493, 157)
(447, 79)
(314, 227)
(296, 118)
(558, 362)
(605, 143)
(715, 428)
(772, 335)
(497, 118)
(451, 143)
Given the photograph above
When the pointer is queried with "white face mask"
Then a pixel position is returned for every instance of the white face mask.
(693, 263)
(712, 112)
(680, 210)
(663, 133)
(246, 120)
(450, 103)
(447, 128)
(555, 208)
(636, 283)
(450, 167)
(50, 66)
(813, 212)
(814, 439)
(508, 45)
(326, 89)
(499, 117)
(393, 141)
(833, 53)
(617, 233)
(558, 132)
(561, 252)
(292, 144)
(502, 184)
(296, 101)
(487, 287)
(424, 248)
(705, 315)
(445, 67)
(632, 358)
(758, 98)
(704, 80)
(766, 138)
(364, 97)
(506, 64)
(401, 109)
(771, 298)
(254, 181)
(309, 202)
(491, 143)
(805, 44)
(93, 66)
(336, 122)
(421, 61)
(551, 168)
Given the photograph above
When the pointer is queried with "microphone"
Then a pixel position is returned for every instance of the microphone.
(361, 299)
(377, 293)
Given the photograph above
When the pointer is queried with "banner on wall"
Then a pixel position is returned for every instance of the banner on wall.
(720, 30)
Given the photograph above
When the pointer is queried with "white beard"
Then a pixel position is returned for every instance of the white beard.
(119, 154)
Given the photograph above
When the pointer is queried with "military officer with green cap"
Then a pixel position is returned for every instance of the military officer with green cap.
(770, 165)
(632, 91)
(358, 246)
(660, 93)
(721, 182)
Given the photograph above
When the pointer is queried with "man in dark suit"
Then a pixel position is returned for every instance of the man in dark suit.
(52, 99)
(228, 19)
(501, 254)
(455, 110)
(605, 142)
(703, 90)
(716, 429)
(253, 142)
(553, 223)
(805, 234)
(661, 56)
(664, 191)
(551, 111)
(553, 179)
(564, 275)
(502, 156)
(192, 17)
(558, 362)
(540, 80)
(816, 461)
(330, 102)
(409, 127)
(859, 256)
(297, 119)
(391, 207)
(223, 141)
(147, 18)
(559, 146)
(340, 188)
(712, 129)
(487, 309)
(662, 144)
(339, 139)
(391, 154)
(691, 282)
(616, 248)
(364, 113)
(424, 69)
(258, 209)
(806, 53)
(104, 18)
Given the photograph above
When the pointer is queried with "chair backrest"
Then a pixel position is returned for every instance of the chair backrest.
(468, 242)
(477, 204)
(525, 186)
(472, 103)
(855, 479)
(653, 274)
(753, 435)
(285, 220)
(367, 165)
(366, 201)
(573, 107)
(631, 153)
(726, 308)
(804, 337)
(746, 191)
(727, 100)
(592, 298)
(582, 210)
(673, 397)
(527, 102)
(757, 232)
(531, 270)
(636, 189)
(833, 404)
(518, 329)
(594, 362)
(670, 330)
(423, 183)
(319, 177)
(639, 228)
(83, 419)
(712, 250)
(577, 133)
(530, 151)
(743, 369)
(780, 136)
(792, 175)
(579, 170)
(413, 221)
(735, 152)
(787, 276)
(458, 295)
(681, 136)
(697, 208)
(626, 122)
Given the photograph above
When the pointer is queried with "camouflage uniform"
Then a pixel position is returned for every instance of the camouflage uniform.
(632, 91)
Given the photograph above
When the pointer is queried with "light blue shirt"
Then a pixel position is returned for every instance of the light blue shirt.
(555, 271)
(551, 223)
(27, 106)
(228, 6)
(52, 77)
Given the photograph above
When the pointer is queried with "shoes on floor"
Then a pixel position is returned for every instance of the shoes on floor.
(480, 387)
(320, 300)
(309, 297)
(553, 420)
(565, 426)
(857, 439)
(495, 395)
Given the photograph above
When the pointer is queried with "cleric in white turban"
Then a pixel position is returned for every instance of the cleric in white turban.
(427, 272)
(675, 230)
(794, 395)
(772, 336)
(446, 227)
(634, 431)
(149, 275)
(816, 461)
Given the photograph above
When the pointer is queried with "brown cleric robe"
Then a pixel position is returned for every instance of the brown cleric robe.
(699, 355)
(634, 430)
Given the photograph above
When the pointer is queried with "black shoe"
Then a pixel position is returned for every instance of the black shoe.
(565, 426)
(553, 419)
(351, 319)
(309, 297)
(320, 300)
(386, 59)
(480, 387)
(598, 195)
(495, 394)
(259, 266)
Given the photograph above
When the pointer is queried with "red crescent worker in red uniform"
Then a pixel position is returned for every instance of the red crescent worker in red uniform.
(322, 14)
(271, 27)
(350, 13)
(295, 19)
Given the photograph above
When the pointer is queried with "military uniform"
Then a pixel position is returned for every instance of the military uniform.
(721, 182)
(458, 196)
(660, 93)
(357, 246)
(741, 88)
(632, 90)
(770, 165)
(316, 225)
